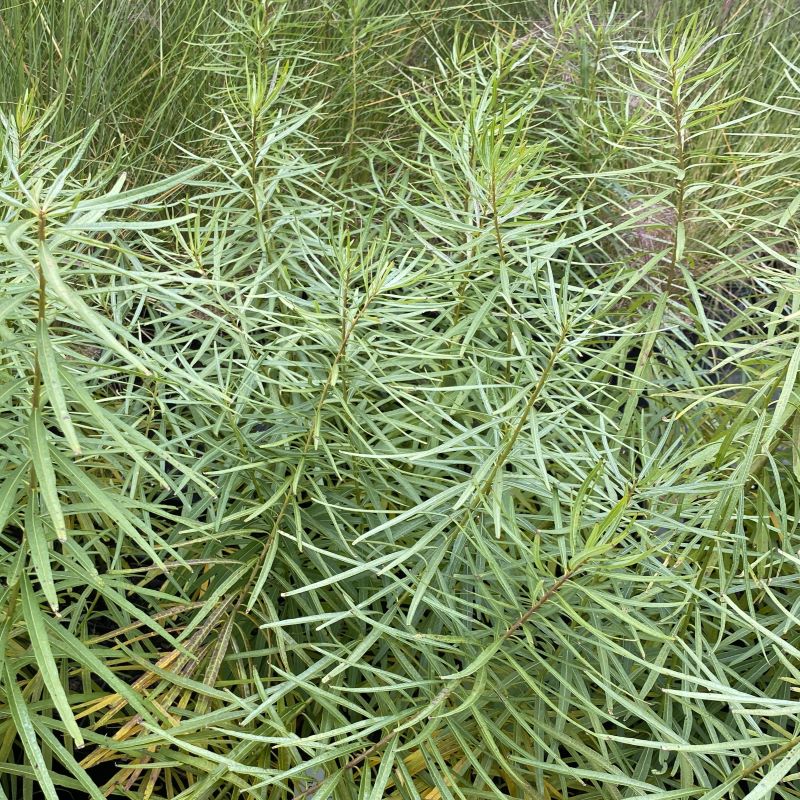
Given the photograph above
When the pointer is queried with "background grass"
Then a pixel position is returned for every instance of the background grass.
(399, 400)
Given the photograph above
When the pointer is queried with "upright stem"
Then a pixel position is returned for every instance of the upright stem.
(495, 221)
(502, 255)
(36, 394)
(523, 417)
(309, 440)
(263, 215)
(680, 186)
(464, 284)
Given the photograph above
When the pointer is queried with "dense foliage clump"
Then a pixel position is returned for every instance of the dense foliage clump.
(399, 400)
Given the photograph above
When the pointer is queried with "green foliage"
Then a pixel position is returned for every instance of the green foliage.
(399, 401)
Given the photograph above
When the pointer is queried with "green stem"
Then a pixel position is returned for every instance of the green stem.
(36, 393)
